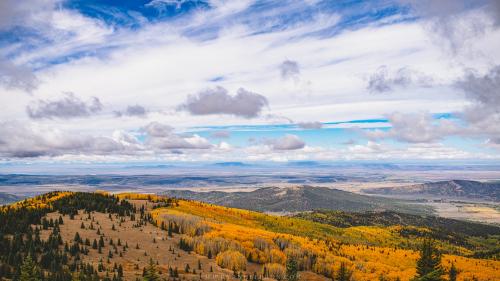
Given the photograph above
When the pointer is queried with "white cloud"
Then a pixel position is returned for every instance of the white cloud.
(310, 125)
(21, 140)
(158, 66)
(17, 76)
(415, 128)
(217, 101)
(287, 142)
(289, 69)
(384, 81)
(69, 106)
(162, 137)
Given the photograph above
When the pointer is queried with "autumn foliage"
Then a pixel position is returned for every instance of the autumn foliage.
(234, 236)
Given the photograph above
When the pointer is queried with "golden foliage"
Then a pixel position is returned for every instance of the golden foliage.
(368, 251)
(231, 259)
(141, 196)
(38, 202)
(274, 270)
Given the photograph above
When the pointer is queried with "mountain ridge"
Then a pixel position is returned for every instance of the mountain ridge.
(297, 199)
(452, 189)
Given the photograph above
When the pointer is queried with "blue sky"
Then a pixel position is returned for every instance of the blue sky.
(197, 81)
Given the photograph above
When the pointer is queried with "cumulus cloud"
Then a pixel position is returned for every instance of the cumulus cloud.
(17, 77)
(133, 110)
(20, 140)
(484, 93)
(310, 125)
(217, 101)
(161, 136)
(287, 142)
(221, 134)
(481, 118)
(415, 128)
(384, 80)
(289, 69)
(69, 106)
(369, 148)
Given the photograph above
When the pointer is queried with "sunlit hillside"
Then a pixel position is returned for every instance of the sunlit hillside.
(369, 252)
(99, 236)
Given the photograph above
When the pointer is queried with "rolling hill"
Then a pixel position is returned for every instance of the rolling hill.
(297, 199)
(6, 198)
(449, 189)
(103, 237)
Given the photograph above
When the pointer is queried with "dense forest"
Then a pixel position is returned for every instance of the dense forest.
(23, 252)
(481, 239)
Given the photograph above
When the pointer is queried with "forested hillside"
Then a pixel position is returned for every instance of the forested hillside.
(299, 198)
(98, 236)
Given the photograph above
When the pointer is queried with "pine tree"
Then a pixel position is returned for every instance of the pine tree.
(151, 273)
(343, 274)
(452, 274)
(429, 263)
(169, 229)
(29, 270)
(291, 269)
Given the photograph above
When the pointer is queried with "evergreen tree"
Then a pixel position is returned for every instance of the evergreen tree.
(452, 274)
(344, 274)
(429, 263)
(291, 269)
(151, 273)
(29, 270)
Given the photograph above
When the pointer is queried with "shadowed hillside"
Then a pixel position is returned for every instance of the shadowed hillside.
(453, 189)
(6, 198)
(296, 199)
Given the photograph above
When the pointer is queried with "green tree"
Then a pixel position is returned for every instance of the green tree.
(151, 273)
(291, 269)
(452, 274)
(29, 270)
(429, 264)
(344, 274)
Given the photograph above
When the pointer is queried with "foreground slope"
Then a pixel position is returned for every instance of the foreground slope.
(104, 237)
(370, 252)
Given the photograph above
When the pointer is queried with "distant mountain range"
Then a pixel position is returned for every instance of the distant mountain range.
(117, 182)
(6, 198)
(450, 189)
(296, 199)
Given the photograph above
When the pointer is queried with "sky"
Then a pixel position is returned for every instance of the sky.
(101, 81)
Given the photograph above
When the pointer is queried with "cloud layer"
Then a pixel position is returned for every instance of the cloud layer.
(431, 93)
